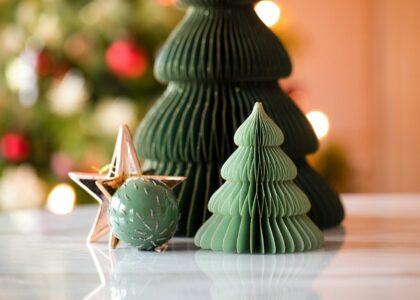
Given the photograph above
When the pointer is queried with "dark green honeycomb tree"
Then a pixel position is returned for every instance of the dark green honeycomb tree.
(219, 61)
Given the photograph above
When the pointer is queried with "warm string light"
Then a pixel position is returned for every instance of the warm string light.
(268, 12)
(61, 199)
(319, 122)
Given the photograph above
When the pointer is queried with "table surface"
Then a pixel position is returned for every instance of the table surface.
(375, 254)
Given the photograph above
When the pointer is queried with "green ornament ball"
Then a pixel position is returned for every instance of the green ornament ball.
(143, 213)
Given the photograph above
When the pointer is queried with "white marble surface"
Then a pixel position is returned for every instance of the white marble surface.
(374, 255)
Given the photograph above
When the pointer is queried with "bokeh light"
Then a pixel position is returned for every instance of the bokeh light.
(319, 122)
(268, 12)
(21, 76)
(61, 199)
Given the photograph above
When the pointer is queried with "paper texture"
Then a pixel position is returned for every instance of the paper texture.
(259, 209)
(219, 61)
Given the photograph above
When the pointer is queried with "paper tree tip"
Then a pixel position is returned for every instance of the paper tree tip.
(258, 130)
(259, 112)
(258, 108)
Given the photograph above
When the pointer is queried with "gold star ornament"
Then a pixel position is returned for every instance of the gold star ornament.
(124, 165)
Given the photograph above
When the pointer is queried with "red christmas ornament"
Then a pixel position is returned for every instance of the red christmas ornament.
(14, 147)
(44, 64)
(126, 59)
(48, 65)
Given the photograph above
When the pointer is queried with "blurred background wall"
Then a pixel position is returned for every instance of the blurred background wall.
(358, 62)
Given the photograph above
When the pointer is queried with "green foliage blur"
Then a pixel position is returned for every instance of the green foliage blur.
(44, 42)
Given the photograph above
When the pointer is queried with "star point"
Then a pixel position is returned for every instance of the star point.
(87, 181)
(124, 165)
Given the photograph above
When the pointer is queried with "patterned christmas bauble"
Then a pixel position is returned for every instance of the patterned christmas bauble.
(143, 213)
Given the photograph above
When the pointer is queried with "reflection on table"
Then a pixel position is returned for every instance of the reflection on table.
(127, 273)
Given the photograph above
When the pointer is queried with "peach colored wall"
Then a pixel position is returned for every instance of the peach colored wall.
(359, 62)
(396, 81)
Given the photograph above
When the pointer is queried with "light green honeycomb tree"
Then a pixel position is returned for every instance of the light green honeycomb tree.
(259, 209)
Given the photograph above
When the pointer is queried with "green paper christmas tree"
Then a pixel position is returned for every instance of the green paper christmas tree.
(259, 209)
(219, 61)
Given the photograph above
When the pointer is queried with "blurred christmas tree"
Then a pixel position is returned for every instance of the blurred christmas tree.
(70, 73)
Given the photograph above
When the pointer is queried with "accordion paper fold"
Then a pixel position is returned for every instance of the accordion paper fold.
(259, 209)
(222, 44)
(219, 61)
